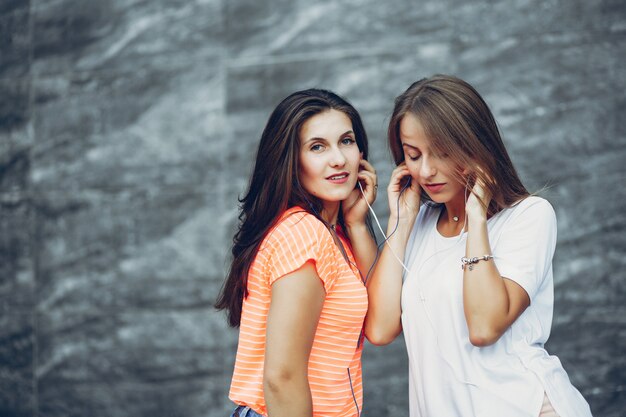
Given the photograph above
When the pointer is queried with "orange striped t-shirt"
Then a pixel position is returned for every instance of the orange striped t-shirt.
(297, 238)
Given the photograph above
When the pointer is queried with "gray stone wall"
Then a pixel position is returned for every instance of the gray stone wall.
(127, 131)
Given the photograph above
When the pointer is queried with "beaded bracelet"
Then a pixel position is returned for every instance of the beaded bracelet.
(471, 261)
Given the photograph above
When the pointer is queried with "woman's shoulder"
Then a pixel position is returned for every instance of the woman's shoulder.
(298, 218)
(296, 226)
(532, 211)
(533, 205)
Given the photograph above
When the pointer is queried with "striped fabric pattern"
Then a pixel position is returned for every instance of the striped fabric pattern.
(297, 238)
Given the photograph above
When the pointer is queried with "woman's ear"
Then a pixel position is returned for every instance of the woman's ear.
(469, 176)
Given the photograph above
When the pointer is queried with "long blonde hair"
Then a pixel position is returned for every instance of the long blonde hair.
(460, 125)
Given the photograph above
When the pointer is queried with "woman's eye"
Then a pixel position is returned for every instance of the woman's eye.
(317, 147)
(347, 141)
(414, 157)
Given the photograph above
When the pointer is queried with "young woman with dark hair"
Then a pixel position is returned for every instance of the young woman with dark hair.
(474, 294)
(295, 287)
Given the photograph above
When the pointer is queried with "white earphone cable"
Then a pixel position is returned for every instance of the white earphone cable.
(431, 322)
(381, 229)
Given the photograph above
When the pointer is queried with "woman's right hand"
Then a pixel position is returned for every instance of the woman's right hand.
(403, 205)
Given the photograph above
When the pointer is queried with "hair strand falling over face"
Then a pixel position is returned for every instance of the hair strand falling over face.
(460, 125)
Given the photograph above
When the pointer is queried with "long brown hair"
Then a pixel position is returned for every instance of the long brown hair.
(275, 185)
(460, 125)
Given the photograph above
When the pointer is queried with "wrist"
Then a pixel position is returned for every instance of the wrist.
(475, 225)
(354, 229)
(402, 221)
(470, 262)
(476, 218)
(400, 226)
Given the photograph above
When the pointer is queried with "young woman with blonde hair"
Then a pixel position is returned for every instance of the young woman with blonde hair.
(473, 294)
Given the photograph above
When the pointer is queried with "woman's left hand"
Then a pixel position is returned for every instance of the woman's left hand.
(478, 200)
(355, 206)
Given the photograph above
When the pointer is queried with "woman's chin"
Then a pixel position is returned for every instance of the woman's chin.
(439, 199)
(335, 198)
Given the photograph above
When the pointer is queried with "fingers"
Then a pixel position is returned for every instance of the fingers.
(404, 199)
(397, 176)
(355, 207)
(365, 164)
(480, 195)
(370, 179)
(481, 188)
(369, 184)
(367, 174)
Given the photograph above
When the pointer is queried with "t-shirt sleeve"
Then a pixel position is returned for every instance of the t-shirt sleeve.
(526, 246)
(298, 239)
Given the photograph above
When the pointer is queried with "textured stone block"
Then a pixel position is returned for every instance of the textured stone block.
(10, 6)
(16, 39)
(605, 16)
(385, 379)
(129, 363)
(88, 244)
(597, 325)
(77, 35)
(121, 130)
(255, 87)
(17, 393)
(15, 111)
(17, 269)
(127, 326)
(298, 27)
(302, 28)
(16, 229)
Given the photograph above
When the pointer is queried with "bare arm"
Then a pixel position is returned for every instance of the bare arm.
(384, 288)
(491, 302)
(363, 246)
(296, 305)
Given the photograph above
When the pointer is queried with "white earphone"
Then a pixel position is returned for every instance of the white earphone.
(421, 295)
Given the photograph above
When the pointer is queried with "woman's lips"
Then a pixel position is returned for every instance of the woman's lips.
(339, 178)
(434, 188)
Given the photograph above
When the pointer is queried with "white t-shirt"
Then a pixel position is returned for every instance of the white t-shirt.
(448, 376)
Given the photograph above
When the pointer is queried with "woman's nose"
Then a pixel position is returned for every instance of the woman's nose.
(427, 169)
(337, 157)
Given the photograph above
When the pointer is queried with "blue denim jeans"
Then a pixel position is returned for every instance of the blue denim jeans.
(242, 411)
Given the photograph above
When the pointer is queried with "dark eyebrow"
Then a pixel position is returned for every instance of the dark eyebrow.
(409, 146)
(324, 139)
